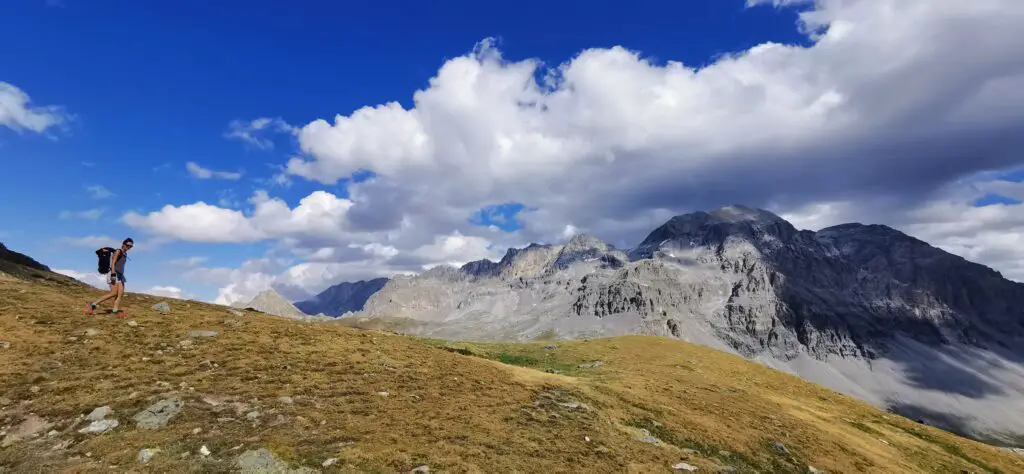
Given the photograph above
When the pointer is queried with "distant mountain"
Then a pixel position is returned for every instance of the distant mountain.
(270, 302)
(342, 298)
(863, 309)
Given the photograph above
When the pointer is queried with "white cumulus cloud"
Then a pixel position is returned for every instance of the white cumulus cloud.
(93, 279)
(17, 113)
(165, 291)
(889, 105)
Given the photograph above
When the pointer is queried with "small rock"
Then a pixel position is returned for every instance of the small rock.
(781, 448)
(236, 312)
(5, 345)
(814, 470)
(684, 467)
(233, 323)
(550, 348)
(574, 405)
(383, 394)
(591, 365)
(262, 460)
(133, 324)
(29, 427)
(98, 414)
(586, 438)
(185, 344)
(34, 389)
(100, 426)
(72, 338)
(158, 414)
(146, 454)
(197, 431)
(52, 433)
(329, 462)
(90, 332)
(645, 436)
(162, 307)
(204, 451)
(423, 468)
(286, 400)
(198, 333)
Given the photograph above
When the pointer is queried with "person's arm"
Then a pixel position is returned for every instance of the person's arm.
(113, 260)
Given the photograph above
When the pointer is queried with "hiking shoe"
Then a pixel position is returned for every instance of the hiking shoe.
(89, 309)
(118, 312)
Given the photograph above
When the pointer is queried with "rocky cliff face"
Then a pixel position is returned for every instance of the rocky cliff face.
(866, 310)
(342, 298)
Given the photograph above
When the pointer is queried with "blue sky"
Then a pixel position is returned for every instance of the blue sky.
(148, 88)
(152, 87)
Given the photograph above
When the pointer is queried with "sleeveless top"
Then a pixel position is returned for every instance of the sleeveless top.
(119, 265)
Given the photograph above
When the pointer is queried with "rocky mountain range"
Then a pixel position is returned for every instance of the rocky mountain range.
(342, 298)
(863, 309)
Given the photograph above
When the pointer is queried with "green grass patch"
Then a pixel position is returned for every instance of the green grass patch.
(952, 449)
(865, 428)
(530, 355)
(517, 359)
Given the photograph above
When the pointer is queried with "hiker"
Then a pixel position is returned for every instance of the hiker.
(115, 277)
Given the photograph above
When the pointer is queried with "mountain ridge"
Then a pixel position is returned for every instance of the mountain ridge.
(842, 306)
(342, 298)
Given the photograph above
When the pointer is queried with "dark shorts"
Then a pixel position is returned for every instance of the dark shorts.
(115, 277)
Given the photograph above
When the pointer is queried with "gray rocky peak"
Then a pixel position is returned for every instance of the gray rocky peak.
(586, 248)
(527, 262)
(270, 302)
(758, 226)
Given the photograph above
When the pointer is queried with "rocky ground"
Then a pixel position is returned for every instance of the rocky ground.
(192, 387)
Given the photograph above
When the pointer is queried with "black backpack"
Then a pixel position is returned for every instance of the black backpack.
(104, 259)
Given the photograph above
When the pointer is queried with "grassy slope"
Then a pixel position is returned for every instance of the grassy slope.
(456, 408)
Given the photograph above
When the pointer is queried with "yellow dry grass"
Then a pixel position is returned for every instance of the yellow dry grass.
(454, 407)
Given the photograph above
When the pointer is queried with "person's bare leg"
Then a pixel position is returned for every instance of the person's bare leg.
(119, 289)
(113, 293)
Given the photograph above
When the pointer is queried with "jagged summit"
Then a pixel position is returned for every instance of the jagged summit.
(587, 248)
(712, 228)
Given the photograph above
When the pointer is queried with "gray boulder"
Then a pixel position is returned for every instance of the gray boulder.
(158, 414)
(263, 461)
(198, 333)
